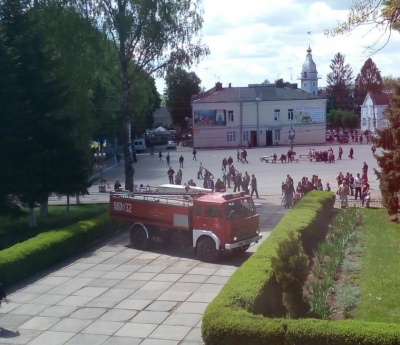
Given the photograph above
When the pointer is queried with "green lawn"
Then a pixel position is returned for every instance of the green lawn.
(16, 230)
(380, 276)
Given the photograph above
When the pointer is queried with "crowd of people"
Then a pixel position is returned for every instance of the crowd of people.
(231, 178)
(354, 185)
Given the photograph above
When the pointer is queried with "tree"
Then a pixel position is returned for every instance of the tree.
(145, 101)
(180, 87)
(339, 118)
(369, 79)
(339, 83)
(149, 35)
(390, 84)
(383, 14)
(389, 160)
(40, 128)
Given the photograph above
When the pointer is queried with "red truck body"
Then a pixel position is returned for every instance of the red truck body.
(210, 223)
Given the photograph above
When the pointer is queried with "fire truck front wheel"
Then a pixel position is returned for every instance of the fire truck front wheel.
(206, 250)
(139, 238)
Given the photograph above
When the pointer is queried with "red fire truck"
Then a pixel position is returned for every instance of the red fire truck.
(210, 223)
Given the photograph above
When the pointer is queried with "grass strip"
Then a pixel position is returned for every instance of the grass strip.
(380, 275)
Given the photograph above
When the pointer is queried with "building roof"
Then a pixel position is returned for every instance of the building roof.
(252, 93)
(379, 98)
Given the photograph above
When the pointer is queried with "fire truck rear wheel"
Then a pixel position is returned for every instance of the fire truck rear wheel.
(206, 250)
(139, 238)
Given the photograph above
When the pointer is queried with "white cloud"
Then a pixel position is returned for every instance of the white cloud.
(254, 40)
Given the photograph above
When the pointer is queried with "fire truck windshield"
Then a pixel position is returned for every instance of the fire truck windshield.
(242, 208)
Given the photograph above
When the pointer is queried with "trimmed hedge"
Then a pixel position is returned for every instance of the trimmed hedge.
(249, 309)
(39, 252)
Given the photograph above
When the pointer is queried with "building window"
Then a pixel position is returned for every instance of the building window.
(230, 115)
(290, 114)
(245, 136)
(277, 135)
(231, 136)
(364, 121)
(277, 115)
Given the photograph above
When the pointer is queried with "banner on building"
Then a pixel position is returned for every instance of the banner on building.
(309, 114)
(210, 117)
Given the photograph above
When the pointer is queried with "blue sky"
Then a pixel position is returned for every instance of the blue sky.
(254, 40)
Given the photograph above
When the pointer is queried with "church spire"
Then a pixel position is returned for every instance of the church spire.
(309, 75)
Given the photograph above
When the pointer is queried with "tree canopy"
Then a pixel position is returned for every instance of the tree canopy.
(339, 82)
(180, 87)
(383, 14)
(149, 36)
(389, 160)
(369, 79)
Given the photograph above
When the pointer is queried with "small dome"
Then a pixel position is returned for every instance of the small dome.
(309, 65)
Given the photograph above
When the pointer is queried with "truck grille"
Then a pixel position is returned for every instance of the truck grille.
(245, 233)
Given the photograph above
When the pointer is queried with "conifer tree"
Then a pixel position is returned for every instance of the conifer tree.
(339, 82)
(389, 160)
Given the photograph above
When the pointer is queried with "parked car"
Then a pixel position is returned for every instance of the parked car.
(171, 145)
(343, 138)
(328, 136)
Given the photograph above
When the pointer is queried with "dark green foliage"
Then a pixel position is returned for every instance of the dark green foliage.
(291, 269)
(389, 160)
(180, 87)
(369, 79)
(339, 118)
(339, 83)
(45, 249)
(231, 323)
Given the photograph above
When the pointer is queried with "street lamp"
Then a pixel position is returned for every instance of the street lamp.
(291, 136)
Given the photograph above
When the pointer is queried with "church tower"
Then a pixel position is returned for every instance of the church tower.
(309, 75)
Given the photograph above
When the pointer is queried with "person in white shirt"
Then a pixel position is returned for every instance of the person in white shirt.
(357, 186)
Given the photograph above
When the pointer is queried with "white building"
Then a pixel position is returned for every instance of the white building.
(258, 114)
(372, 109)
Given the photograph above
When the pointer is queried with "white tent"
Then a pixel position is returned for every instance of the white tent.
(160, 129)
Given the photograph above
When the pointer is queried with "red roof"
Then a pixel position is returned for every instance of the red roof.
(379, 98)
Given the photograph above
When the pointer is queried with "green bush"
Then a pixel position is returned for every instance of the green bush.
(291, 269)
(49, 247)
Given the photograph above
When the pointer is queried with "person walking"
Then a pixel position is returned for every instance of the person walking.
(3, 295)
(170, 174)
(237, 182)
(357, 186)
(254, 186)
(118, 158)
(246, 183)
(200, 171)
(194, 154)
(244, 155)
(168, 158)
(351, 153)
(343, 193)
(181, 161)
(160, 156)
(224, 163)
(340, 153)
(238, 155)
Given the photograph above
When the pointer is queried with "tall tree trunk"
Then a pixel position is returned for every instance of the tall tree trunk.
(127, 123)
(67, 210)
(77, 199)
(32, 216)
(44, 208)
